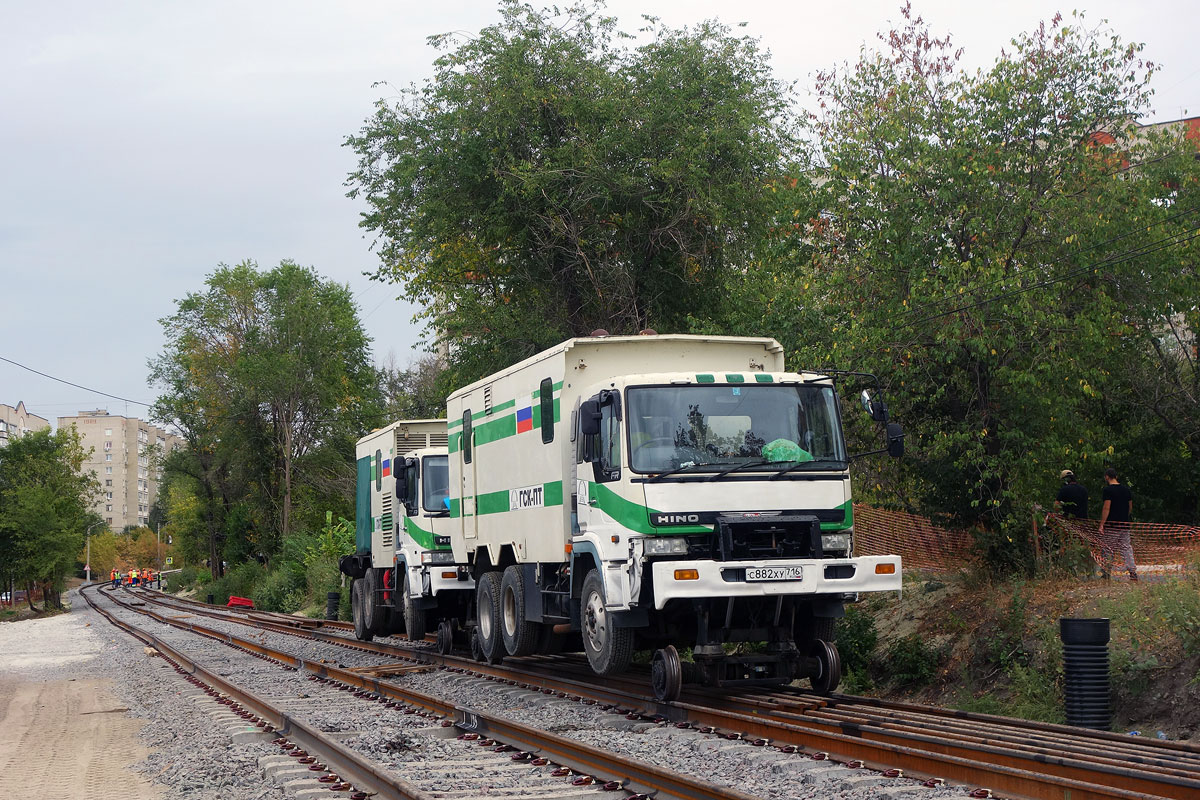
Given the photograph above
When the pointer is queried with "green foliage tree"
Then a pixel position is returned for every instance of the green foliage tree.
(267, 374)
(44, 502)
(985, 242)
(550, 179)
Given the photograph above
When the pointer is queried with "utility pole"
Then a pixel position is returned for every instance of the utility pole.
(158, 548)
(88, 537)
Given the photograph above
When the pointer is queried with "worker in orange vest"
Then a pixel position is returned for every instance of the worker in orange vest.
(114, 576)
(148, 578)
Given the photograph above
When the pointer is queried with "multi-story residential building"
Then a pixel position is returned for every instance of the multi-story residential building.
(16, 421)
(126, 458)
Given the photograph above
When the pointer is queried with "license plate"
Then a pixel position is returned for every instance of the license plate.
(774, 573)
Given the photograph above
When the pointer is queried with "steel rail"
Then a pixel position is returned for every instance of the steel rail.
(1002, 758)
(629, 773)
(352, 767)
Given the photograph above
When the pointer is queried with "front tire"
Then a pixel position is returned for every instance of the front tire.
(361, 631)
(414, 618)
(487, 609)
(520, 635)
(609, 648)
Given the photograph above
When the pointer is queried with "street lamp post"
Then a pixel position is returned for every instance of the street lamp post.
(88, 537)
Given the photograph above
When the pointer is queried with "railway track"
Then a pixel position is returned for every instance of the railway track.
(1014, 758)
(580, 770)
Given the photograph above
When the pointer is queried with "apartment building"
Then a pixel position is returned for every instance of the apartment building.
(16, 421)
(126, 458)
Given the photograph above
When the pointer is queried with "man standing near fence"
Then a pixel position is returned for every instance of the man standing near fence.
(1072, 498)
(1115, 514)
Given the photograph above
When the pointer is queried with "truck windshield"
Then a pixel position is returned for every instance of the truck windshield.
(718, 428)
(436, 484)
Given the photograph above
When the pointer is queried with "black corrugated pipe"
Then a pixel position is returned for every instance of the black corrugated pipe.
(331, 604)
(1085, 668)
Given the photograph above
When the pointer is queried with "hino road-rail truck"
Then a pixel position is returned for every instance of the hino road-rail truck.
(655, 492)
(403, 568)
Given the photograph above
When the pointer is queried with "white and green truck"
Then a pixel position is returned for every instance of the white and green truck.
(648, 492)
(405, 577)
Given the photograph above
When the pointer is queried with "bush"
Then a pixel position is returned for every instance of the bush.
(186, 578)
(911, 662)
(239, 580)
(281, 590)
(856, 639)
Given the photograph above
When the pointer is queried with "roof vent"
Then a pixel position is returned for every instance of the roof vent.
(599, 333)
(647, 332)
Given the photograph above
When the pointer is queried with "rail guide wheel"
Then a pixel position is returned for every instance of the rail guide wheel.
(445, 637)
(830, 663)
(666, 674)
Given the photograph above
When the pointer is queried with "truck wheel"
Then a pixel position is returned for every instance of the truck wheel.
(520, 635)
(375, 616)
(824, 628)
(609, 648)
(414, 618)
(361, 631)
(487, 608)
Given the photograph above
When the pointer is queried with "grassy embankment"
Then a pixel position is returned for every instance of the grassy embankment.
(994, 647)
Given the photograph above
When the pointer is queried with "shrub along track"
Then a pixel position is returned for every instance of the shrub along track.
(583, 765)
(1015, 758)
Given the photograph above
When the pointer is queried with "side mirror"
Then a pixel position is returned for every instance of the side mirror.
(865, 397)
(401, 484)
(589, 417)
(895, 440)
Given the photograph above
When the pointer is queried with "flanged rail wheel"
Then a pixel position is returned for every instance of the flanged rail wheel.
(830, 662)
(609, 648)
(361, 631)
(445, 637)
(487, 601)
(666, 674)
(415, 625)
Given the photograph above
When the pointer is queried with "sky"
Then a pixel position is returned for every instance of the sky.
(144, 143)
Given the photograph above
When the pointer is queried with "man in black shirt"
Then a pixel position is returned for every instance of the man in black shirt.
(1072, 498)
(1115, 515)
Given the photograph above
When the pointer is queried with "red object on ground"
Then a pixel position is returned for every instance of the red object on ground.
(239, 602)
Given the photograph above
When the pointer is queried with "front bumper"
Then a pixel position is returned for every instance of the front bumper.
(728, 578)
(434, 580)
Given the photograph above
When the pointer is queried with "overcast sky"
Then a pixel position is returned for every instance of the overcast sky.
(143, 143)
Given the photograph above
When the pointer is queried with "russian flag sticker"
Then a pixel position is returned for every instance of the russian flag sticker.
(525, 417)
(387, 467)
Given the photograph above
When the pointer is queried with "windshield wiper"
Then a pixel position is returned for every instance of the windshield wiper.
(678, 470)
(743, 465)
(814, 464)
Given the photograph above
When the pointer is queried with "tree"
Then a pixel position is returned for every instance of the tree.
(44, 502)
(268, 376)
(549, 180)
(418, 392)
(975, 239)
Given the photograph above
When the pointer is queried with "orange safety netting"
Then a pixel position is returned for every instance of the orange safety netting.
(1157, 547)
(920, 543)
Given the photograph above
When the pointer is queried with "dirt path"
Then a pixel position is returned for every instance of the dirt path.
(62, 738)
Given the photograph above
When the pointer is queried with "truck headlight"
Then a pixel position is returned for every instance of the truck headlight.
(437, 557)
(835, 542)
(664, 546)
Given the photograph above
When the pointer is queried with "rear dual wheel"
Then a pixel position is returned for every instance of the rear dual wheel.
(829, 661)
(361, 631)
(520, 635)
(488, 616)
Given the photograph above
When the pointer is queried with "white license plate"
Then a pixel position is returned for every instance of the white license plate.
(774, 573)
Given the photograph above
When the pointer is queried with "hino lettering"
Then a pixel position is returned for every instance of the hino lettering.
(674, 519)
